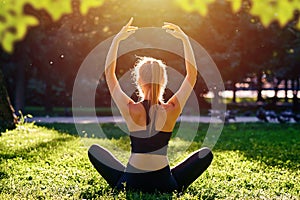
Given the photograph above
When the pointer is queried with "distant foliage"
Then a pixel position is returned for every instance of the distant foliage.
(267, 10)
(280, 10)
(14, 21)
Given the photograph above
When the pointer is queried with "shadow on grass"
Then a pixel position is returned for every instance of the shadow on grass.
(60, 127)
(109, 129)
(31, 151)
(273, 144)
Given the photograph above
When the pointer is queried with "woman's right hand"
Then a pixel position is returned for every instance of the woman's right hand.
(126, 31)
(174, 30)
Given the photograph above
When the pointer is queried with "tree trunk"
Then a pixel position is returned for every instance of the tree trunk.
(259, 87)
(295, 86)
(276, 88)
(8, 119)
(20, 88)
(286, 99)
(48, 99)
(234, 92)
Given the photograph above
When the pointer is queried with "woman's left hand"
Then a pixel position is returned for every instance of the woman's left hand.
(126, 31)
(174, 30)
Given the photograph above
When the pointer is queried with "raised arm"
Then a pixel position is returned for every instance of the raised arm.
(118, 95)
(189, 81)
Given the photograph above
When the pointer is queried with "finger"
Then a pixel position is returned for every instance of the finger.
(168, 27)
(172, 26)
(127, 28)
(168, 23)
(130, 22)
(170, 31)
(131, 30)
(132, 27)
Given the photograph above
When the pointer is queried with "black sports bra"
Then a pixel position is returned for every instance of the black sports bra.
(146, 141)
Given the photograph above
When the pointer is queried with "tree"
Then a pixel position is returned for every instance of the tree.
(287, 61)
(267, 11)
(16, 18)
(237, 43)
(244, 46)
(7, 116)
(15, 21)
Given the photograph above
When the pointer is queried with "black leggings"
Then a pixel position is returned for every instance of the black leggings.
(162, 180)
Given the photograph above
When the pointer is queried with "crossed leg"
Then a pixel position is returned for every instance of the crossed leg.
(110, 168)
(191, 168)
(184, 173)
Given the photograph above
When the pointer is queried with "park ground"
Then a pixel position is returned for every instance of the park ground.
(251, 161)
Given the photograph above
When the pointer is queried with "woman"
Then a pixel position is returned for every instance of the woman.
(150, 123)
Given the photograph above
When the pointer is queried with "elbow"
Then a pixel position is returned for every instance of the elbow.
(107, 71)
(192, 78)
(192, 75)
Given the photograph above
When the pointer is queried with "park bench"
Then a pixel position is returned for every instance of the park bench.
(225, 116)
(266, 115)
(283, 117)
(287, 116)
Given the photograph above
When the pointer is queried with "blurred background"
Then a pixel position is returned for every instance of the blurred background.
(258, 59)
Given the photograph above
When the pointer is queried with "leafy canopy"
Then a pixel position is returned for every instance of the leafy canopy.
(14, 21)
(267, 10)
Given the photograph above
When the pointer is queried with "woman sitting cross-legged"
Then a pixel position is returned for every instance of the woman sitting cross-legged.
(150, 123)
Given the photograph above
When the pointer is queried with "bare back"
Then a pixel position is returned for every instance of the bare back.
(165, 118)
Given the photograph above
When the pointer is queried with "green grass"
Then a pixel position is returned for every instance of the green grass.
(251, 161)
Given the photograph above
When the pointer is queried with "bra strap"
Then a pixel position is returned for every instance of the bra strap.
(146, 104)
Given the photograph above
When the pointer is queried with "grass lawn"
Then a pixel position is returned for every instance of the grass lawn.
(251, 161)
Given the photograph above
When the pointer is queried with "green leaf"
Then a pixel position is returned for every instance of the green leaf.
(22, 24)
(59, 8)
(236, 5)
(270, 10)
(185, 5)
(264, 10)
(202, 7)
(285, 12)
(55, 8)
(31, 21)
(8, 41)
(195, 5)
(86, 4)
(298, 25)
(14, 18)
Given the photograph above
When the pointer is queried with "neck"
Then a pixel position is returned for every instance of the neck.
(151, 92)
(148, 95)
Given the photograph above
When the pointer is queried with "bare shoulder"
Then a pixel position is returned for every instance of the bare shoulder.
(171, 105)
(135, 107)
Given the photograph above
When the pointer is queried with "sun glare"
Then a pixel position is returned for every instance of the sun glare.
(150, 12)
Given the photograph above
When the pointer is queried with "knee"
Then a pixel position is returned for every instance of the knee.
(205, 152)
(93, 149)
